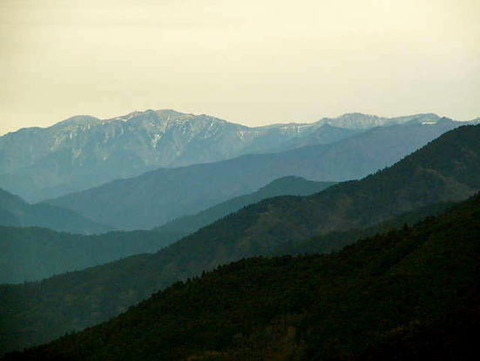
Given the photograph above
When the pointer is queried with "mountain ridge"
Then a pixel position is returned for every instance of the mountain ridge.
(317, 307)
(14, 211)
(84, 151)
(32, 254)
(161, 195)
(348, 119)
(447, 169)
(289, 185)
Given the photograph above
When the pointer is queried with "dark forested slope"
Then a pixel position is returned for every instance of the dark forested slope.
(303, 308)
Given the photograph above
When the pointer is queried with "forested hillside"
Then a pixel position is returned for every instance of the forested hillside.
(295, 186)
(32, 253)
(329, 307)
(445, 170)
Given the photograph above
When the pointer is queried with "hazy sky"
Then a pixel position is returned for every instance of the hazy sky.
(249, 61)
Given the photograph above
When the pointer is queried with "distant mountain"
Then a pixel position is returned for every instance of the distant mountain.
(447, 169)
(160, 196)
(417, 281)
(14, 211)
(365, 121)
(295, 186)
(30, 254)
(83, 151)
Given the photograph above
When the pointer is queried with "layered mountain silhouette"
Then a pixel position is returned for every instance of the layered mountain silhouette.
(414, 287)
(83, 151)
(30, 254)
(447, 169)
(157, 197)
(295, 186)
(14, 211)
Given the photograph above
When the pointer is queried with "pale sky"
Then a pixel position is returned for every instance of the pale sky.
(248, 61)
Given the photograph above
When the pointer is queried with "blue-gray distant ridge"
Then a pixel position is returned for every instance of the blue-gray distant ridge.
(160, 196)
(83, 151)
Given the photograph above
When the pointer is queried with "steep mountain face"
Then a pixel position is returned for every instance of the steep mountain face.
(14, 211)
(447, 169)
(82, 152)
(308, 308)
(295, 186)
(157, 197)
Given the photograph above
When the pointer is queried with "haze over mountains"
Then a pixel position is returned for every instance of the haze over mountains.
(214, 192)
(14, 211)
(159, 235)
(295, 186)
(447, 169)
(30, 254)
(162, 195)
(83, 151)
(33, 253)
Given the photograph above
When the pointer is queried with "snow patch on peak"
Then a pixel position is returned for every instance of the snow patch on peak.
(126, 118)
(354, 121)
(78, 120)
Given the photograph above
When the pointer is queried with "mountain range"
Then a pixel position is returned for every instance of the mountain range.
(295, 186)
(14, 211)
(447, 169)
(83, 151)
(414, 287)
(32, 253)
(157, 197)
